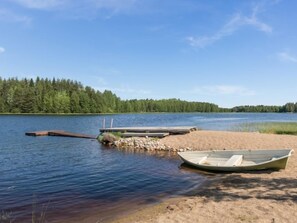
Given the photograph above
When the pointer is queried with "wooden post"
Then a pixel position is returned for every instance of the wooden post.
(111, 122)
(103, 123)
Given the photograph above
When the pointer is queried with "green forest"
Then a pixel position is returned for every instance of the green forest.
(44, 95)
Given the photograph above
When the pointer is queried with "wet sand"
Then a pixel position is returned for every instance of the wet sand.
(262, 196)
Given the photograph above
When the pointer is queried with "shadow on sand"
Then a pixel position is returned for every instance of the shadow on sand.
(238, 186)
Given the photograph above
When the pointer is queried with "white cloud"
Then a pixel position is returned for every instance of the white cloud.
(113, 5)
(41, 4)
(82, 9)
(9, 16)
(156, 28)
(284, 56)
(108, 71)
(130, 90)
(102, 84)
(100, 80)
(2, 50)
(116, 5)
(222, 90)
(126, 90)
(236, 22)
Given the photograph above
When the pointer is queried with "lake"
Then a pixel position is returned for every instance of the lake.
(71, 179)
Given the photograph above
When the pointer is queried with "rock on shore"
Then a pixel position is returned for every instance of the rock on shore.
(259, 196)
(138, 143)
(144, 143)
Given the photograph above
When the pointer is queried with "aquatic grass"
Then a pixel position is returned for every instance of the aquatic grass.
(39, 217)
(246, 127)
(6, 217)
(288, 128)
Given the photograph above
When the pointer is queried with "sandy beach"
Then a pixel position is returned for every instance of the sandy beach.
(265, 196)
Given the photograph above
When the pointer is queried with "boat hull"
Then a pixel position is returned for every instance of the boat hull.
(275, 163)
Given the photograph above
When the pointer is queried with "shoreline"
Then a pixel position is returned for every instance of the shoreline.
(261, 196)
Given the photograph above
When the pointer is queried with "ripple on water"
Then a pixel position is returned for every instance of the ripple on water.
(76, 177)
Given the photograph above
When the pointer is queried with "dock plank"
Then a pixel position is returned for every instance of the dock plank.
(60, 133)
(71, 134)
(170, 130)
(40, 133)
(145, 134)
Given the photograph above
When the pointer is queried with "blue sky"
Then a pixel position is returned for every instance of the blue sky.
(227, 52)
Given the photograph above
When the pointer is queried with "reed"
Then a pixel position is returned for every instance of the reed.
(6, 217)
(38, 214)
(288, 128)
(39, 217)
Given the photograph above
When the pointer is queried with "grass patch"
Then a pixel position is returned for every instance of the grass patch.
(288, 128)
(116, 134)
(109, 137)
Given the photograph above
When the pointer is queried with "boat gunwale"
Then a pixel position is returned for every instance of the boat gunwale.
(233, 168)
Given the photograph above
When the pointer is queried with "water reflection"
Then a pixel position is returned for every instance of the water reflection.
(78, 178)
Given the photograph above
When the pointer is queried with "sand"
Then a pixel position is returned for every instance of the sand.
(266, 196)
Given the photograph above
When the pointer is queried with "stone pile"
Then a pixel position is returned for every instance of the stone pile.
(144, 143)
(137, 143)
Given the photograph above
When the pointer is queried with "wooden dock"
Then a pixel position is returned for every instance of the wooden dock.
(159, 130)
(60, 133)
(144, 134)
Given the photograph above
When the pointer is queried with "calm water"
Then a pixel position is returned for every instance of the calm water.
(75, 178)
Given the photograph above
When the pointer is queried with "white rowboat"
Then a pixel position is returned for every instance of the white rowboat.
(237, 160)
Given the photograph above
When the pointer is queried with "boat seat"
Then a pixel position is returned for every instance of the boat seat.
(198, 160)
(234, 160)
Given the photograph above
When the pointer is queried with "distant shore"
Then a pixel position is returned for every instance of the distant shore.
(265, 196)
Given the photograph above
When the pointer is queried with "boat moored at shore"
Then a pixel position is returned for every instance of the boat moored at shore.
(237, 160)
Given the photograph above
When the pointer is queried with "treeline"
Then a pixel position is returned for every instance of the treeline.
(50, 96)
(67, 96)
(289, 107)
(167, 105)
